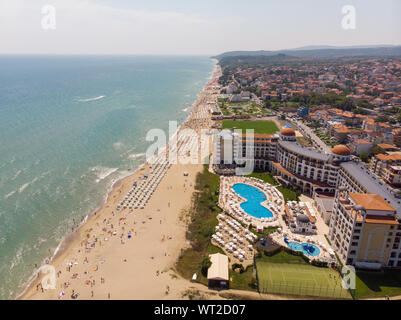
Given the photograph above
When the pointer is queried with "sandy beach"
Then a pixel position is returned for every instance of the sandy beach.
(131, 254)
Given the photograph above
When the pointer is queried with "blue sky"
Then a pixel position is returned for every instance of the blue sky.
(192, 27)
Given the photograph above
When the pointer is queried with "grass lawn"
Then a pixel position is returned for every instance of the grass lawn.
(265, 176)
(243, 281)
(288, 194)
(370, 284)
(286, 274)
(268, 127)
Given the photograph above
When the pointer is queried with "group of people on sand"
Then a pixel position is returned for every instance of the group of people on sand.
(109, 228)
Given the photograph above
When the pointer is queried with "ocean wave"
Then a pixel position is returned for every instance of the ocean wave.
(17, 258)
(91, 99)
(103, 172)
(10, 194)
(185, 110)
(136, 155)
(118, 145)
(16, 175)
(26, 185)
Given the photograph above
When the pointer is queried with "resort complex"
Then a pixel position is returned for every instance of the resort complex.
(200, 158)
(317, 175)
(244, 197)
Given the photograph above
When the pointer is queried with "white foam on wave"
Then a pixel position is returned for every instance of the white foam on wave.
(91, 99)
(118, 145)
(10, 194)
(103, 172)
(26, 185)
(136, 155)
(17, 258)
(16, 175)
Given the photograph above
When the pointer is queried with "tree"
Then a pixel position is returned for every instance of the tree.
(348, 123)
(382, 118)
(377, 150)
(360, 111)
(364, 156)
(205, 265)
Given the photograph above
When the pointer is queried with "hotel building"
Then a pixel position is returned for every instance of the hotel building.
(364, 226)
(365, 231)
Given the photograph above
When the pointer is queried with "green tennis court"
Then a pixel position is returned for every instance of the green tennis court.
(298, 279)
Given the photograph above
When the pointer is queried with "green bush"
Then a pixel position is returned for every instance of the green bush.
(238, 266)
(322, 264)
(205, 265)
(270, 253)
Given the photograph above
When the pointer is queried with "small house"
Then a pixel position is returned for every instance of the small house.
(217, 275)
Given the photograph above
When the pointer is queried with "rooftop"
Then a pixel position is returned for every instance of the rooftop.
(219, 268)
(371, 184)
(297, 148)
(386, 157)
(371, 201)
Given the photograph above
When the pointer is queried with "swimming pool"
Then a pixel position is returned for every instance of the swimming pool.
(306, 248)
(254, 199)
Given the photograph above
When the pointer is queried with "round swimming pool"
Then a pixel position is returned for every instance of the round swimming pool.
(306, 248)
(254, 199)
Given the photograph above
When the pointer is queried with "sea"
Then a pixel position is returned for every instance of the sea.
(70, 127)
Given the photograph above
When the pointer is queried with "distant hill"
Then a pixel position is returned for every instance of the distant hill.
(322, 52)
(256, 59)
(342, 47)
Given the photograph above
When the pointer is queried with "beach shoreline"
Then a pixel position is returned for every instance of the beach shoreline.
(74, 239)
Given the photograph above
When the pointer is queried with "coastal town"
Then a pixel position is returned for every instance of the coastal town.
(201, 159)
(323, 194)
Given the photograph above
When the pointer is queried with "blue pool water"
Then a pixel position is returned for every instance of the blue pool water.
(306, 248)
(254, 199)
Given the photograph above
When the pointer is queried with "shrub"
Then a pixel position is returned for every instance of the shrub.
(205, 265)
(322, 264)
(238, 266)
(270, 253)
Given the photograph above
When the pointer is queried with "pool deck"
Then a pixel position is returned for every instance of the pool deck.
(323, 246)
(231, 233)
(230, 201)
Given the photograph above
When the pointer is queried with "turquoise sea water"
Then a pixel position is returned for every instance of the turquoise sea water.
(254, 199)
(70, 127)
